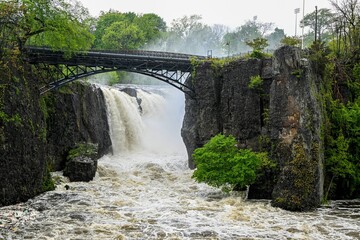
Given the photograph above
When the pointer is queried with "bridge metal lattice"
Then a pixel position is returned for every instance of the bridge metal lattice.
(172, 68)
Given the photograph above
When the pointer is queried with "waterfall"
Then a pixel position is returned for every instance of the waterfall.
(145, 191)
(125, 121)
(154, 126)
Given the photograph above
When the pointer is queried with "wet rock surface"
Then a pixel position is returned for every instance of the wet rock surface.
(81, 169)
(78, 115)
(295, 125)
(282, 117)
(22, 142)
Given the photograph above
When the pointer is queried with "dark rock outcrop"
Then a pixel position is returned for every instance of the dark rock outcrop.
(295, 125)
(81, 169)
(36, 132)
(23, 171)
(225, 104)
(283, 117)
(74, 116)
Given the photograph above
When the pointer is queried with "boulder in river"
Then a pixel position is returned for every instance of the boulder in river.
(81, 169)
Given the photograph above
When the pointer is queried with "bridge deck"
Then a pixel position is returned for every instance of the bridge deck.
(119, 59)
(172, 68)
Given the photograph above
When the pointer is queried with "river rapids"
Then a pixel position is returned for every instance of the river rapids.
(144, 190)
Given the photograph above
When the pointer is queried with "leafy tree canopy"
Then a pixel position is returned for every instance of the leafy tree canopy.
(151, 24)
(139, 29)
(57, 24)
(252, 29)
(258, 44)
(291, 41)
(121, 35)
(324, 20)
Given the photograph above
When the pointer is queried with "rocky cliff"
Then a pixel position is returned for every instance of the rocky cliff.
(23, 170)
(36, 132)
(75, 115)
(283, 117)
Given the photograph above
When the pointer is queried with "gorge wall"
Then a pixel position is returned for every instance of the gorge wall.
(37, 132)
(283, 117)
(76, 115)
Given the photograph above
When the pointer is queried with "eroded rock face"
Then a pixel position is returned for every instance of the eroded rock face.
(75, 116)
(22, 136)
(295, 125)
(81, 169)
(36, 132)
(283, 117)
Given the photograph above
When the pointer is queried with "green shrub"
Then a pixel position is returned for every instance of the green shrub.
(258, 44)
(342, 152)
(256, 82)
(258, 54)
(48, 183)
(291, 41)
(221, 164)
(83, 149)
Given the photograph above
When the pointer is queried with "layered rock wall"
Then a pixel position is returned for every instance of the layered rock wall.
(283, 117)
(23, 171)
(74, 116)
(36, 133)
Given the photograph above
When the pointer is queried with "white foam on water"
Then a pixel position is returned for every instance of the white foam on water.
(145, 191)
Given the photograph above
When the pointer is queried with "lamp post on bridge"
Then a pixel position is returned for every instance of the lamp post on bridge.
(296, 11)
(228, 45)
(302, 31)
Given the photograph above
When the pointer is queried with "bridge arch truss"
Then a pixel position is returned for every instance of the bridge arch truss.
(171, 68)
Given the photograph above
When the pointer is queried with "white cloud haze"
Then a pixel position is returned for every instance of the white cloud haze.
(231, 13)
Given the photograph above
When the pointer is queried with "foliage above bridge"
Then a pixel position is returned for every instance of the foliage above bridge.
(56, 24)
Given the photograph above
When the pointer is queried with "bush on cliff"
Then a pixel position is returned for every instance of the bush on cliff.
(221, 164)
(83, 149)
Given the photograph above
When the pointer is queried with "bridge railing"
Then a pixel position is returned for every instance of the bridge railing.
(169, 55)
(148, 53)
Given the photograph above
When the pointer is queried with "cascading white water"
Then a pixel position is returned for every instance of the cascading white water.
(152, 127)
(145, 191)
(124, 120)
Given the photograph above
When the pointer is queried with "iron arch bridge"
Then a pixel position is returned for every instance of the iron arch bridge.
(172, 68)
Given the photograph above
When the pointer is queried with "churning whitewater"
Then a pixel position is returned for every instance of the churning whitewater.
(144, 190)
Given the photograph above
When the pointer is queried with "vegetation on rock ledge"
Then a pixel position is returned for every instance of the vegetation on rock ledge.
(221, 164)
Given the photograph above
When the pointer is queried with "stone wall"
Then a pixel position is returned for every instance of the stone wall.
(283, 118)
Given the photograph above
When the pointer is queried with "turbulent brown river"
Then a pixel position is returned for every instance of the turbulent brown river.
(145, 191)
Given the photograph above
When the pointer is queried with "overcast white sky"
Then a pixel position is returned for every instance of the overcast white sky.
(231, 13)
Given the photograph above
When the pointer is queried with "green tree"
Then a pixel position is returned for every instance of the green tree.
(347, 25)
(274, 38)
(139, 29)
(249, 31)
(59, 25)
(105, 20)
(121, 35)
(152, 26)
(221, 164)
(258, 44)
(342, 152)
(291, 41)
(325, 19)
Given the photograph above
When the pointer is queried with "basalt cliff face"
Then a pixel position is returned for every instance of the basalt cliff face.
(36, 132)
(77, 115)
(282, 117)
